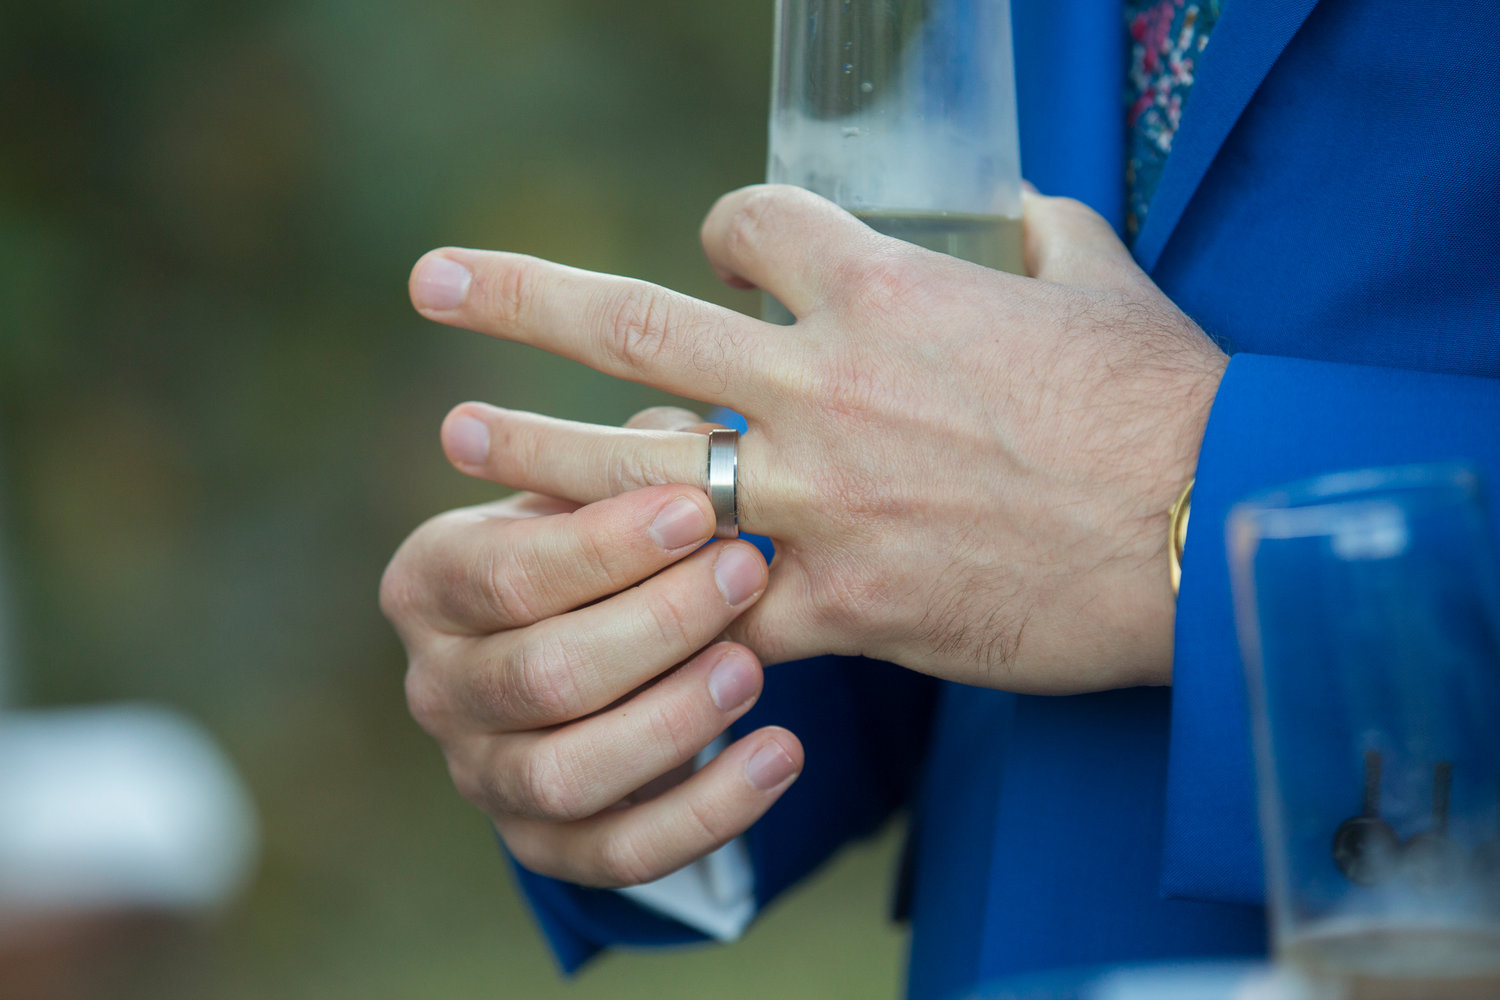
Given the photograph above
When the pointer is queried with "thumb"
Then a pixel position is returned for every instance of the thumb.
(1071, 244)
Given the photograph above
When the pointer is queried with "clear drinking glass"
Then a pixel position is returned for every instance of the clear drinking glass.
(1369, 612)
(904, 113)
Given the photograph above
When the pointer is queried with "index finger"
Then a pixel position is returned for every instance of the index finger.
(631, 329)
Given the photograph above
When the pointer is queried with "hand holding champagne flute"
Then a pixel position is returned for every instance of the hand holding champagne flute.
(904, 114)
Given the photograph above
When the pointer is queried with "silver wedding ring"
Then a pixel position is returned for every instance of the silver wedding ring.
(723, 474)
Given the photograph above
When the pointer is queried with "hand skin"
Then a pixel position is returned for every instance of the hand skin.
(965, 472)
(545, 640)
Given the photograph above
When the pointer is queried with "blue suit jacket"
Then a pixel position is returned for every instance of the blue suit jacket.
(1331, 212)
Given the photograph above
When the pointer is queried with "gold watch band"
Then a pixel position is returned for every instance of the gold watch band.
(1177, 539)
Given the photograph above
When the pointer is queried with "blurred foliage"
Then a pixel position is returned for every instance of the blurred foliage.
(218, 418)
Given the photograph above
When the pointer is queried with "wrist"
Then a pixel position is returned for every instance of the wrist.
(1167, 508)
(1181, 478)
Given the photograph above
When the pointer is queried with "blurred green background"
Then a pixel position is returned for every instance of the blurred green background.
(218, 418)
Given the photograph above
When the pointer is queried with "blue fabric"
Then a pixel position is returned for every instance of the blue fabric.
(1070, 75)
(953, 831)
(1349, 216)
(1040, 842)
(1328, 209)
(1277, 420)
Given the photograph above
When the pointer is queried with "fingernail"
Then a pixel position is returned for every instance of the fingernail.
(732, 682)
(440, 283)
(468, 441)
(679, 523)
(769, 766)
(737, 572)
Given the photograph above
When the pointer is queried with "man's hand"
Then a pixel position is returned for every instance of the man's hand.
(964, 471)
(557, 653)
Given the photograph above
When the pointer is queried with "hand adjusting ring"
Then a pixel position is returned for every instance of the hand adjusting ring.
(723, 476)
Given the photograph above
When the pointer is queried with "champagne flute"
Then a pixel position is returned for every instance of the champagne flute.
(1369, 612)
(904, 113)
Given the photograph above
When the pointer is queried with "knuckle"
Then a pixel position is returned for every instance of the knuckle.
(631, 472)
(637, 323)
(672, 620)
(398, 596)
(751, 219)
(468, 783)
(454, 587)
(675, 724)
(545, 787)
(710, 825)
(625, 468)
(510, 586)
(887, 284)
(511, 292)
(538, 685)
(534, 853)
(598, 561)
(619, 861)
(403, 586)
(426, 698)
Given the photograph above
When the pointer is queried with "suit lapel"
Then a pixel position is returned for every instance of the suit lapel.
(1246, 42)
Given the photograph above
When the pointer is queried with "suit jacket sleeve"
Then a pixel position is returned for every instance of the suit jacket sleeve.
(1275, 421)
(863, 725)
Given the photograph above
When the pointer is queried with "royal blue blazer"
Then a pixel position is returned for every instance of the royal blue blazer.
(1330, 212)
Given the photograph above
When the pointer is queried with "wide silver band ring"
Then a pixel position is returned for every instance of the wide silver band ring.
(723, 476)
